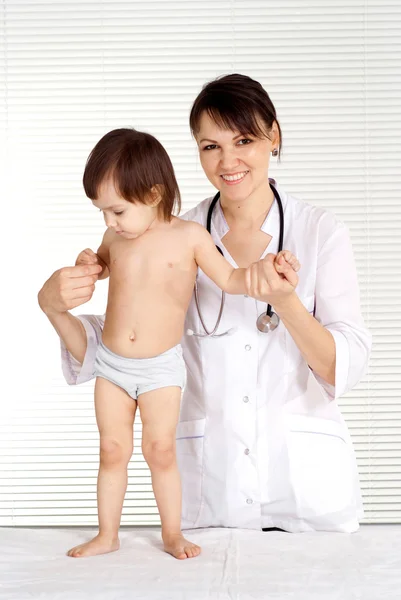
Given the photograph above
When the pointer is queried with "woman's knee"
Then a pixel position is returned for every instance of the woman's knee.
(113, 452)
(158, 454)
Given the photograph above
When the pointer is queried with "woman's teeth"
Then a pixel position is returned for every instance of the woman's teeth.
(234, 177)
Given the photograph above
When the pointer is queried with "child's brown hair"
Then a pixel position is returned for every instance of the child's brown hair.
(136, 162)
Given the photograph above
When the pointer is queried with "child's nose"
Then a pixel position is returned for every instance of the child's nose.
(111, 221)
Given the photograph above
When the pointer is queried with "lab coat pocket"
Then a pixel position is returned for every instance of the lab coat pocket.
(190, 440)
(321, 471)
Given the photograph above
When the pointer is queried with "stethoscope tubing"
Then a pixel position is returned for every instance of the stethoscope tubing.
(269, 312)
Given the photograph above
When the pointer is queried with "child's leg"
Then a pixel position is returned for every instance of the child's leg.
(159, 414)
(115, 412)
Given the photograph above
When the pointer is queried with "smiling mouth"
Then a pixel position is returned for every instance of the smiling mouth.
(235, 178)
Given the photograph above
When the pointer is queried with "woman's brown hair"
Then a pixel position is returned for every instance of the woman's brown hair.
(236, 102)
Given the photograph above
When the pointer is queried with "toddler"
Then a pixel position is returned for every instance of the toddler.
(152, 259)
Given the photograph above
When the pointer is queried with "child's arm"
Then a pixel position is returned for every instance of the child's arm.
(229, 279)
(214, 265)
(102, 256)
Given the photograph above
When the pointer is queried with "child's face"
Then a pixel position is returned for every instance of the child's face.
(127, 219)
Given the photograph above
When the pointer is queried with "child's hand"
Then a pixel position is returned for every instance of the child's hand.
(285, 259)
(87, 257)
(286, 265)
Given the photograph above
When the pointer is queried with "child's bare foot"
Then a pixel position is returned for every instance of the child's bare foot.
(179, 547)
(99, 545)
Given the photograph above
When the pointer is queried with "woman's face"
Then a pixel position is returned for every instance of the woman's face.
(235, 164)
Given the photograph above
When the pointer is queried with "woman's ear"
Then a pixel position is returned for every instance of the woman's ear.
(275, 135)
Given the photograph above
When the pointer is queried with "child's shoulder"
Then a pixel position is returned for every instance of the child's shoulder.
(193, 232)
(189, 226)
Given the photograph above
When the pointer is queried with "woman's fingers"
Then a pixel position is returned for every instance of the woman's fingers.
(290, 275)
(80, 282)
(251, 279)
(78, 301)
(81, 270)
(267, 272)
(262, 277)
(80, 292)
(71, 286)
(292, 260)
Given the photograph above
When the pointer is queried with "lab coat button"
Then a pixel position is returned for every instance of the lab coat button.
(246, 451)
(246, 296)
(247, 347)
(249, 501)
(245, 399)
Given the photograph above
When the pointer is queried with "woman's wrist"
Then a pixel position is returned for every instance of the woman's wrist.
(72, 333)
(56, 316)
(49, 310)
(46, 307)
(287, 304)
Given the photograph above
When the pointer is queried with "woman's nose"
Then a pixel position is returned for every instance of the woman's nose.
(228, 160)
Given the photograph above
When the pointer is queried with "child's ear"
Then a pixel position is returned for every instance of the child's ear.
(156, 195)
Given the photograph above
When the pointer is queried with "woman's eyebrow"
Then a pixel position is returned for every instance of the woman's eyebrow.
(214, 141)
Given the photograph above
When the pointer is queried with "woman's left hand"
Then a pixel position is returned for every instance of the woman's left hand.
(265, 283)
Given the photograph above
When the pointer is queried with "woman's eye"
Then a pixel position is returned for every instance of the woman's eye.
(244, 141)
(210, 147)
(119, 213)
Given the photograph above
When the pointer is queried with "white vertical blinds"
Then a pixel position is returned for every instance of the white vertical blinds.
(70, 72)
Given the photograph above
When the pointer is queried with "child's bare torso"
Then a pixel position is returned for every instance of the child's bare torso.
(151, 284)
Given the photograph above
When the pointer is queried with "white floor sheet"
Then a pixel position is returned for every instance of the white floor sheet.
(234, 565)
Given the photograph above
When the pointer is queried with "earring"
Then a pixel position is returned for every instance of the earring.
(275, 152)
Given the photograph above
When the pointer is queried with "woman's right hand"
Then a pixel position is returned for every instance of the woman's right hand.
(271, 283)
(68, 287)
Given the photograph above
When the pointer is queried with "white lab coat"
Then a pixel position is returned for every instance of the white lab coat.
(261, 441)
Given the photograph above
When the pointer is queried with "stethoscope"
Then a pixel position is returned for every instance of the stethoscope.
(267, 321)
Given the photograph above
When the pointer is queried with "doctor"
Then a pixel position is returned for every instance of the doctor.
(261, 441)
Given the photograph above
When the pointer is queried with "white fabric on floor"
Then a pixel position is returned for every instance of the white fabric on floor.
(234, 565)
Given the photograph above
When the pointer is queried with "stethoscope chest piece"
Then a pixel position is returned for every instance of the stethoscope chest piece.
(266, 322)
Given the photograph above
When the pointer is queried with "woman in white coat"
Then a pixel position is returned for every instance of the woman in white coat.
(261, 441)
